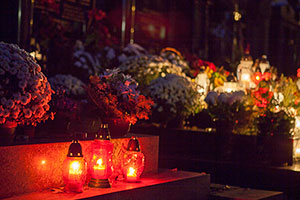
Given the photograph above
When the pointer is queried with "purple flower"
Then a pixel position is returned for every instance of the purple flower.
(211, 98)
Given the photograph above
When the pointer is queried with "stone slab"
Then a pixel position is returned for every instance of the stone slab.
(222, 192)
(35, 167)
(171, 185)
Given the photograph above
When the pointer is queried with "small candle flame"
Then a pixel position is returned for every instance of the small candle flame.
(99, 161)
(245, 77)
(74, 168)
(99, 164)
(131, 172)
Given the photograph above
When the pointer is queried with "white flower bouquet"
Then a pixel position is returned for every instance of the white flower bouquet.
(71, 85)
(24, 89)
(91, 63)
(175, 58)
(175, 96)
(145, 68)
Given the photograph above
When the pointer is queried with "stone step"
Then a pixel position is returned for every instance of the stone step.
(170, 184)
(225, 192)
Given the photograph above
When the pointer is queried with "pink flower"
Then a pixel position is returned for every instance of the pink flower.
(10, 103)
(24, 100)
(2, 120)
(1, 111)
(28, 96)
(46, 107)
(17, 97)
(6, 113)
(27, 113)
(3, 101)
(40, 112)
(22, 84)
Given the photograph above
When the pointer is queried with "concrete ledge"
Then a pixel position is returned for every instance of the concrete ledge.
(171, 185)
(222, 192)
(35, 167)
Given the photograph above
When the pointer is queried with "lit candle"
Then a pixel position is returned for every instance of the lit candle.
(131, 174)
(99, 168)
(74, 169)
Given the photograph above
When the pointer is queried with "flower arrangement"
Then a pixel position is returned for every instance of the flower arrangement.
(98, 34)
(69, 91)
(91, 63)
(69, 84)
(174, 96)
(231, 112)
(262, 95)
(116, 95)
(218, 77)
(287, 96)
(198, 64)
(146, 68)
(25, 91)
(275, 123)
(175, 58)
(257, 77)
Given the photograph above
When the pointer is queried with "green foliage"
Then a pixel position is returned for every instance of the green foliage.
(271, 123)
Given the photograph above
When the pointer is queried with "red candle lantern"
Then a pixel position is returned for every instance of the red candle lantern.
(100, 166)
(74, 169)
(133, 162)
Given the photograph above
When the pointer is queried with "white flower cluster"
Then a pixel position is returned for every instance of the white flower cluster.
(213, 98)
(131, 50)
(24, 89)
(176, 60)
(145, 68)
(87, 61)
(70, 84)
(175, 94)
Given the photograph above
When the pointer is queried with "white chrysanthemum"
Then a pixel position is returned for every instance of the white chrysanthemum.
(146, 68)
(176, 94)
(20, 74)
(87, 61)
(70, 84)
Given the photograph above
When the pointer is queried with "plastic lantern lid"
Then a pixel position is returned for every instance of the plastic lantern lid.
(133, 144)
(202, 69)
(75, 149)
(103, 132)
(231, 78)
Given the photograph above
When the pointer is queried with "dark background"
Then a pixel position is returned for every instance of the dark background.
(205, 28)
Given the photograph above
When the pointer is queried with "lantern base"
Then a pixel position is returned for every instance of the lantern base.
(99, 183)
(74, 187)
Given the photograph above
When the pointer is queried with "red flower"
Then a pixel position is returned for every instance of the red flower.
(298, 72)
(263, 90)
(267, 76)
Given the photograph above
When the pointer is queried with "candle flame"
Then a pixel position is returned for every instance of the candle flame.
(74, 168)
(131, 172)
(297, 123)
(99, 164)
(99, 161)
(245, 77)
(75, 165)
